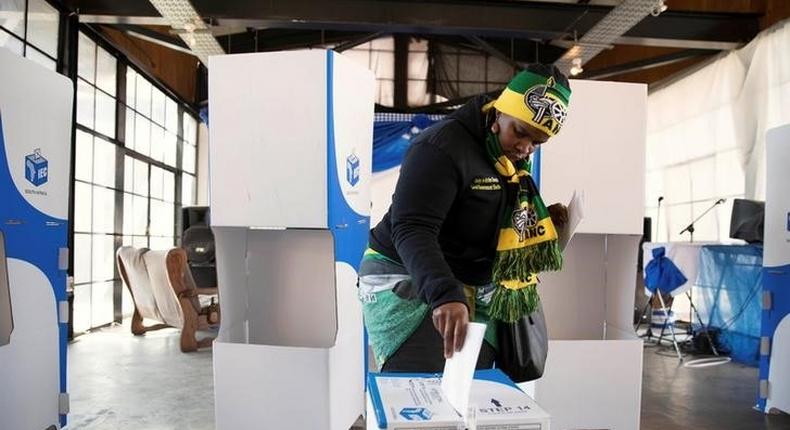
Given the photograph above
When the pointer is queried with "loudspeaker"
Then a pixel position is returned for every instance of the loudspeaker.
(647, 229)
(748, 220)
(647, 235)
(197, 240)
(195, 215)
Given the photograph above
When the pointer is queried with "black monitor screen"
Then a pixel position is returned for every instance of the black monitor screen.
(6, 319)
(747, 221)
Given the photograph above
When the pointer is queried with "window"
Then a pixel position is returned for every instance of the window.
(30, 28)
(128, 176)
(95, 188)
(379, 56)
(461, 72)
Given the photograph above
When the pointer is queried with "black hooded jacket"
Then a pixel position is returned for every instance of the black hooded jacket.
(444, 219)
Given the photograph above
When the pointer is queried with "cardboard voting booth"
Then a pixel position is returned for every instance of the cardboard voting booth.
(593, 374)
(416, 401)
(35, 146)
(775, 328)
(290, 167)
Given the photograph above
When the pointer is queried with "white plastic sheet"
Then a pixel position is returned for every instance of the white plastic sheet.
(706, 135)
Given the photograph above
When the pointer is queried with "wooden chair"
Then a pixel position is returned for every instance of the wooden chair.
(163, 290)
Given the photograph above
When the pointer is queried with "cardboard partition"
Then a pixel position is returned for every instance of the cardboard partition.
(294, 387)
(290, 169)
(600, 153)
(6, 313)
(775, 327)
(35, 149)
(290, 282)
(592, 384)
(592, 298)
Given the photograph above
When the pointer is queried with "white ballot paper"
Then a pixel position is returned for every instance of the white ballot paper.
(460, 369)
(575, 216)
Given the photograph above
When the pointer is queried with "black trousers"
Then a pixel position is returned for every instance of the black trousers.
(423, 352)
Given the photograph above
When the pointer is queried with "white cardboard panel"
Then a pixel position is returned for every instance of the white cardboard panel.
(231, 246)
(35, 104)
(347, 358)
(295, 388)
(202, 165)
(253, 387)
(594, 292)
(600, 151)
(779, 373)
(382, 187)
(276, 174)
(6, 317)
(353, 127)
(30, 371)
(291, 288)
(621, 270)
(574, 299)
(777, 203)
(592, 384)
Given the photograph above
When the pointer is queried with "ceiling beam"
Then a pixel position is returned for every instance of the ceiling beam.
(161, 36)
(284, 39)
(648, 63)
(503, 18)
(678, 43)
(344, 46)
(158, 41)
(122, 19)
(698, 26)
(507, 19)
(544, 21)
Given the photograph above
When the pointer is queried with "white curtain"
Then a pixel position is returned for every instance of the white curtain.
(706, 136)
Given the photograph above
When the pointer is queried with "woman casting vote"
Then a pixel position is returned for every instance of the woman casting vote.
(466, 232)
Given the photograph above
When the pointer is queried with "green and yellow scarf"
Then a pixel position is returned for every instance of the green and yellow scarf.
(527, 243)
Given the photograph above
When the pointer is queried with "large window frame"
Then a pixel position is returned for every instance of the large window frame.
(145, 180)
(27, 29)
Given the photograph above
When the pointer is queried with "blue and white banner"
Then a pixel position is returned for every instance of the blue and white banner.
(35, 149)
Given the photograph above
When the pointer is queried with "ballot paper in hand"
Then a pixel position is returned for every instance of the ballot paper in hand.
(575, 216)
(460, 368)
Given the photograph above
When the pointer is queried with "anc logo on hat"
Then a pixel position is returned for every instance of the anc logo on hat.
(536, 99)
(547, 108)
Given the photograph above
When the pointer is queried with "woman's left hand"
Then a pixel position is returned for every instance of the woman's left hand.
(559, 214)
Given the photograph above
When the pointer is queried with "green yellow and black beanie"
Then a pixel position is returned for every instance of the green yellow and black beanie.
(538, 96)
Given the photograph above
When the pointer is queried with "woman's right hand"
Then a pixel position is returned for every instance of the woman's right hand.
(451, 320)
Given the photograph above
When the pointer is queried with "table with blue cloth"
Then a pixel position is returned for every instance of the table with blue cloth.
(727, 290)
(728, 295)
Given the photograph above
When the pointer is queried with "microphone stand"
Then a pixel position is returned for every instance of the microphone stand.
(690, 228)
(658, 218)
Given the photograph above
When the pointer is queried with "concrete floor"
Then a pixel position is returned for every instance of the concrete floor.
(675, 397)
(119, 381)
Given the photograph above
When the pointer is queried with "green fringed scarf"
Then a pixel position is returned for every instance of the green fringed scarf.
(527, 241)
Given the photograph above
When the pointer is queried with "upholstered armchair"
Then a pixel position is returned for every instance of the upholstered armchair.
(162, 288)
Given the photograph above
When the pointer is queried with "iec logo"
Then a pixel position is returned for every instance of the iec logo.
(36, 170)
(416, 414)
(352, 169)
